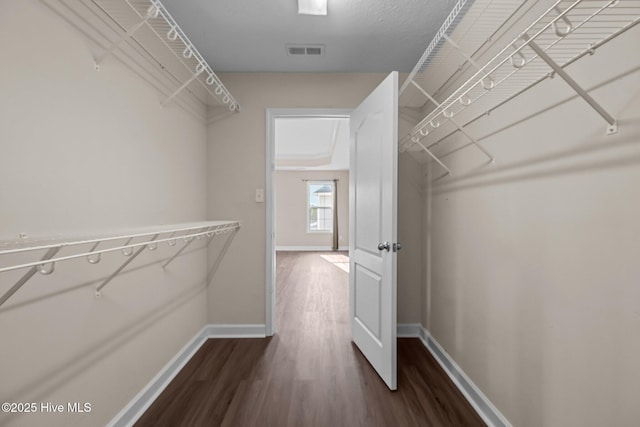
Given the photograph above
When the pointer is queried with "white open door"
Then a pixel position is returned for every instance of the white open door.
(372, 222)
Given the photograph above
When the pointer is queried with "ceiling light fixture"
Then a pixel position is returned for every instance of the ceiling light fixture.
(312, 7)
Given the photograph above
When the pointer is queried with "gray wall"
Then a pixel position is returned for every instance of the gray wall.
(291, 209)
(237, 169)
(82, 152)
(533, 287)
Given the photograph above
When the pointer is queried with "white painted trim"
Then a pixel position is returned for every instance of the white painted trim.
(270, 219)
(235, 331)
(310, 248)
(408, 330)
(141, 402)
(270, 274)
(483, 406)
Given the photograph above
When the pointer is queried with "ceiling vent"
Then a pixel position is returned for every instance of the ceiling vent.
(305, 50)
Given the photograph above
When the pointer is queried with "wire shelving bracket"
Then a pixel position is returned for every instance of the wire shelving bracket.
(565, 32)
(131, 249)
(152, 14)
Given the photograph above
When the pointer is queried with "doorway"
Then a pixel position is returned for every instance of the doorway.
(311, 167)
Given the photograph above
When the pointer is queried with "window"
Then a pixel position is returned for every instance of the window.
(320, 206)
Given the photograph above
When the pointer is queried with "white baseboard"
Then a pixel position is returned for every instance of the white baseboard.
(483, 406)
(309, 248)
(141, 402)
(408, 330)
(235, 331)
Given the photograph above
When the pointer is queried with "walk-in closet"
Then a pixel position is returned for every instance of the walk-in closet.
(491, 236)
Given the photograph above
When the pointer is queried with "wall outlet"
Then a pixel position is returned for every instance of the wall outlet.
(259, 195)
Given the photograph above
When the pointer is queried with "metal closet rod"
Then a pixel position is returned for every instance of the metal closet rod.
(46, 265)
(211, 230)
(107, 239)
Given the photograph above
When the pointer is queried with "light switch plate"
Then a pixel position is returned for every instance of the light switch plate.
(259, 195)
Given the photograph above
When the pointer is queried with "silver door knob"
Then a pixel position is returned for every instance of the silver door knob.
(384, 246)
(397, 247)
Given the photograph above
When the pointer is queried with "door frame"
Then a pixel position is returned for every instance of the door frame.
(270, 277)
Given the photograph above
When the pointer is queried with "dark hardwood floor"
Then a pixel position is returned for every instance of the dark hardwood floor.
(309, 373)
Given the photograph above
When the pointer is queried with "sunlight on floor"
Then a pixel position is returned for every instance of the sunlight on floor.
(340, 261)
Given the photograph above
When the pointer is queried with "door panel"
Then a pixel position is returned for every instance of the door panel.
(368, 286)
(372, 217)
(368, 183)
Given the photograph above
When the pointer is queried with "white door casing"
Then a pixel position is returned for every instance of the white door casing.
(372, 221)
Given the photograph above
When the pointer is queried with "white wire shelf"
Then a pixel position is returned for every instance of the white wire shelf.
(560, 35)
(149, 24)
(129, 243)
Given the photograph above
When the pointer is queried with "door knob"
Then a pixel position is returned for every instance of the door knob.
(397, 247)
(384, 246)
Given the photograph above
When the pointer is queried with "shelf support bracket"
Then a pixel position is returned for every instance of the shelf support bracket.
(433, 156)
(487, 81)
(122, 267)
(152, 12)
(185, 84)
(186, 245)
(456, 124)
(613, 124)
(28, 275)
(221, 255)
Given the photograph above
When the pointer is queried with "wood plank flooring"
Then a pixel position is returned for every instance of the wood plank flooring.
(309, 373)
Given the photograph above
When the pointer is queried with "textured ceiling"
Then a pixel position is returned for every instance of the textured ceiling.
(359, 35)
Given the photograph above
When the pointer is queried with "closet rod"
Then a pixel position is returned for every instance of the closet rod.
(46, 265)
(111, 238)
(125, 247)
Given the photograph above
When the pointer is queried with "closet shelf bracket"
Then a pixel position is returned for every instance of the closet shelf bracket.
(199, 71)
(221, 255)
(124, 264)
(148, 26)
(433, 156)
(449, 116)
(613, 124)
(487, 82)
(147, 239)
(453, 16)
(152, 12)
(188, 242)
(51, 252)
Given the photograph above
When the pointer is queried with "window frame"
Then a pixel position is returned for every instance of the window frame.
(308, 205)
